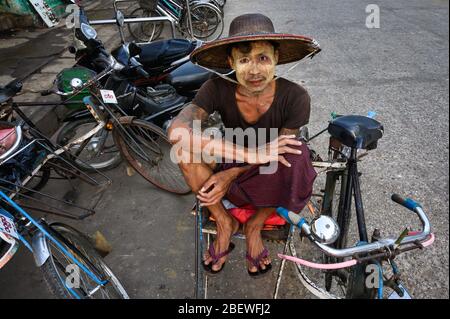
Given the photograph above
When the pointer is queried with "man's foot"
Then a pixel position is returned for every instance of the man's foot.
(258, 261)
(215, 258)
(216, 255)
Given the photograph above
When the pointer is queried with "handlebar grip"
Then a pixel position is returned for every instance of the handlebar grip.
(405, 202)
(46, 92)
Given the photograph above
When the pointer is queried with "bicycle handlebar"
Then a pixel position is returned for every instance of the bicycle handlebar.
(405, 202)
(382, 244)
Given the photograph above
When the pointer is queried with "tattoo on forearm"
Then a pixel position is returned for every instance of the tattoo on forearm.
(190, 113)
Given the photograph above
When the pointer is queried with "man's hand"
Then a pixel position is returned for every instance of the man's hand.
(216, 187)
(272, 151)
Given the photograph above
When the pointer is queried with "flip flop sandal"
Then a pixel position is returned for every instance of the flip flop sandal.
(257, 263)
(212, 254)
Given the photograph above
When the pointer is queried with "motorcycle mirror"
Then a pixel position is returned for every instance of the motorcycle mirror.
(88, 31)
(134, 49)
(120, 19)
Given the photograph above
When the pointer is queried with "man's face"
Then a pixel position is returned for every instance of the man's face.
(255, 69)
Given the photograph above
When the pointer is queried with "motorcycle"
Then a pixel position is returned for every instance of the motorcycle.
(158, 82)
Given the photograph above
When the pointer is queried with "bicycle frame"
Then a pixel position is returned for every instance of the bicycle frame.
(39, 247)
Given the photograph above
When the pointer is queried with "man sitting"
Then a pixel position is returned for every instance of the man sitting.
(253, 100)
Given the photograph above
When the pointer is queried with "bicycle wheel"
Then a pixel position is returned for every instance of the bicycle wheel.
(207, 22)
(57, 274)
(99, 153)
(147, 149)
(146, 31)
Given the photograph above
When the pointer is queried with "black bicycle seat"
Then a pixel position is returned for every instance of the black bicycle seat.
(10, 90)
(356, 131)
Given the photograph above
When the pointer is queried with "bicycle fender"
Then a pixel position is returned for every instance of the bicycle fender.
(40, 249)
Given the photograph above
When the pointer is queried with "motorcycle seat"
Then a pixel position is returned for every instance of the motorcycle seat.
(164, 52)
(10, 90)
(188, 77)
(356, 131)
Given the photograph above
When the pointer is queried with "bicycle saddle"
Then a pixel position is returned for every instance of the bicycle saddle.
(356, 131)
(10, 90)
(164, 52)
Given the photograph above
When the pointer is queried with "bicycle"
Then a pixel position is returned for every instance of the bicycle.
(335, 268)
(28, 172)
(70, 265)
(195, 19)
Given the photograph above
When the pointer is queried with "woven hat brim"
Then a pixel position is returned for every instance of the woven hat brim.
(291, 48)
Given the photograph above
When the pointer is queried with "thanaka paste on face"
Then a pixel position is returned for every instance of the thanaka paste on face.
(258, 64)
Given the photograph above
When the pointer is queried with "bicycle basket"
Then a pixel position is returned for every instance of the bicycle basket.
(148, 4)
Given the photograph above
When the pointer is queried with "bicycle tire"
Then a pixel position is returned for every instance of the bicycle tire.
(55, 277)
(217, 21)
(157, 167)
(141, 31)
(68, 132)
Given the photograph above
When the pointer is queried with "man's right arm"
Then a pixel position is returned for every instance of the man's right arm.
(183, 132)
(187, 116)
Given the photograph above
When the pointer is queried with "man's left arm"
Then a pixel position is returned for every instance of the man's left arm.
(290, 131)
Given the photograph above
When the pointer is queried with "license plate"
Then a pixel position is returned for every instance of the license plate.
(7, 225)
(395, 295)
(108, 96)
